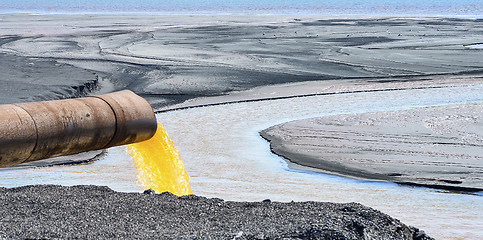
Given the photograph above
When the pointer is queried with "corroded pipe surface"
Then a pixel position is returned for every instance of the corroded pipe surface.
(39, 130)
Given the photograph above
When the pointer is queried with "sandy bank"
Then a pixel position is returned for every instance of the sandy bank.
(437, 147)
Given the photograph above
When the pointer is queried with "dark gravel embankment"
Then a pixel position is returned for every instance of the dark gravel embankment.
(92, 212)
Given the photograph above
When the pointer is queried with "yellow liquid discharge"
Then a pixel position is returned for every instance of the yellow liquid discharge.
(159, 165)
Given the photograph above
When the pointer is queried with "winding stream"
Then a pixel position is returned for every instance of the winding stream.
(226, 158)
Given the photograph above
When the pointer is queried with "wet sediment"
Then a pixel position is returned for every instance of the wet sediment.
(437, 147)
(171, 59)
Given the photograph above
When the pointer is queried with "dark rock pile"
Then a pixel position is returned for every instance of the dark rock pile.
(93, 212)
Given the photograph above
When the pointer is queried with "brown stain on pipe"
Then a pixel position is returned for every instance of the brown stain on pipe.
(40, 130)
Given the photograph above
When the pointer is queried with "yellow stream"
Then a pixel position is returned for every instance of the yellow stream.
(159, 166)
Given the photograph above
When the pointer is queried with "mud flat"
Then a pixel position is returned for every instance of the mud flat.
(438, 147)
(170, 59)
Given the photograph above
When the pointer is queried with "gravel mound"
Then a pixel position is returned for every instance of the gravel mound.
(94, 212)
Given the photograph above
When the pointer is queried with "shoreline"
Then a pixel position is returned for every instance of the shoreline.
(317, 15)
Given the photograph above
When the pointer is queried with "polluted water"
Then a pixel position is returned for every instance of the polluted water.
(159, 165)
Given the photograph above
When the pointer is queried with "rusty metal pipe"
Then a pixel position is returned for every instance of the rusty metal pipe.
(40, 130)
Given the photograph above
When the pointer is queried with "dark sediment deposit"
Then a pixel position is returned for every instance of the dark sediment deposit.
(25, 79)
(169, 59)
(92, 212)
